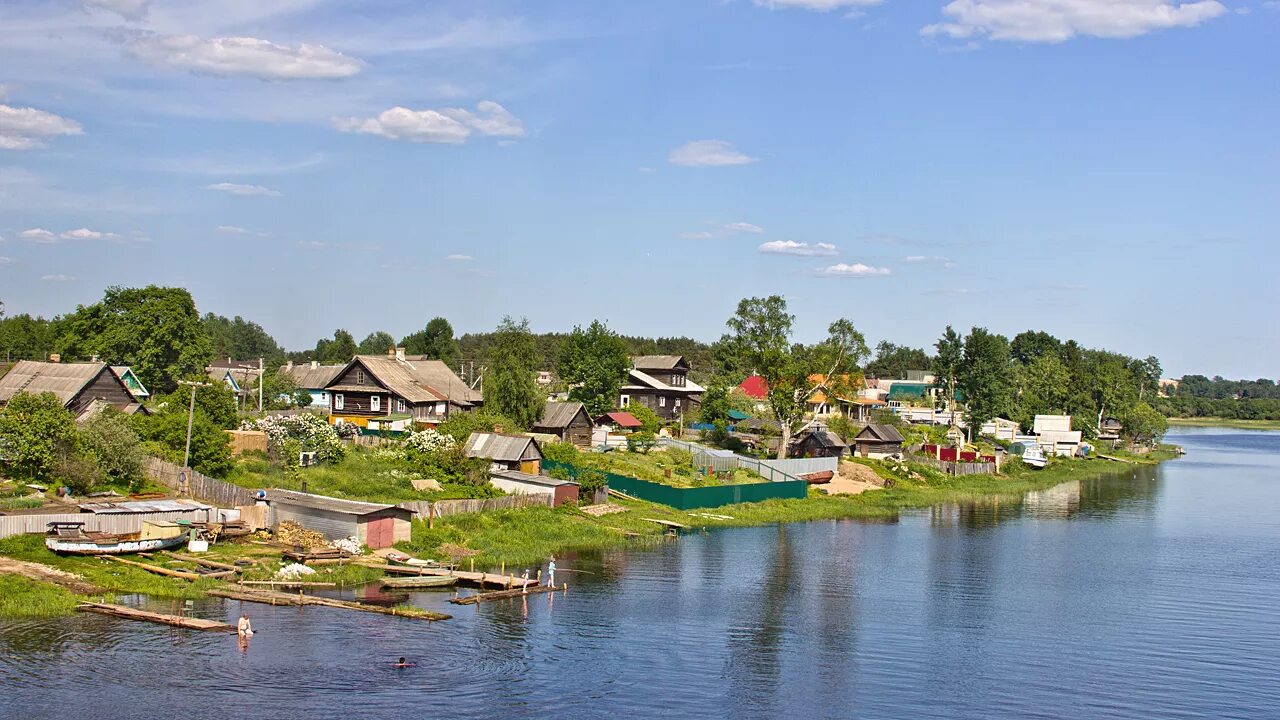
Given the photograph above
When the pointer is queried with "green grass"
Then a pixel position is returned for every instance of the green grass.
(361, 475)
(24, 598)
(111, 577)
(1226, 422)
(653, 467)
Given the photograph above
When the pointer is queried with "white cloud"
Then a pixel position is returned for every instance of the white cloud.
(447, 125)
(459, 258)
(816, 5)
(231, 230)
(1054, 21)
(725, 230)
(238, 189)
(127, 9)
(744, 227)
(57, 278)
(28, 128)
(244, 56)
(38, 235)
(83, 234)
(708, 153)
(854, 270)
(791, 247)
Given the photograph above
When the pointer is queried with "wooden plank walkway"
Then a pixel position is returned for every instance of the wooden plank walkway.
(268, 597)
(129, 613)
(505, 594)
(479, 579)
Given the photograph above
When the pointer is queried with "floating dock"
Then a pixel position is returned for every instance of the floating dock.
(268, 597)
(129, 613)
(506, 594)
(478, 579)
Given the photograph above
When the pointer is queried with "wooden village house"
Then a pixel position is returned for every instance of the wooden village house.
(878, 441)
(661, 383)
(78, 386)
(506, 452)
(568, 421)
(413, 390)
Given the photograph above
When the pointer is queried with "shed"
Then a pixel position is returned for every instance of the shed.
(621, 420)
(878, 441)
(506, 452)
(522, 483)
(568, 421)
(376, 525)
(818, 441)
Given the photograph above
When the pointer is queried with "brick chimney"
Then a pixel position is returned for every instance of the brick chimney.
(315, 364)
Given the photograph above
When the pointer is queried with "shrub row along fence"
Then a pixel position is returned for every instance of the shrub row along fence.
(693, 498)
(198, 486)
(445, 508)
(787, 470)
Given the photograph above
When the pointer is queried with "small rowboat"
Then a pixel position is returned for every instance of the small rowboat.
(422, 582)
(70, 538)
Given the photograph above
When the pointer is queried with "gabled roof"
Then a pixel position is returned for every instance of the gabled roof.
(621, 419)
(882, 433)
(560, 414)
(314, 377)
(755, 387)
(641, 380)
(659, 362)
(503, 448)
(130, 380)
(437, 374)
(418, 381)
(328, 504)
(823, 438)
(65, 380)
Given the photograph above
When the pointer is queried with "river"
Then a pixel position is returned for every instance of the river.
(1154, 593)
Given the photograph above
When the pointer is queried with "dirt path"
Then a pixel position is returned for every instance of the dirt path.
(44, 573)
(852, 479)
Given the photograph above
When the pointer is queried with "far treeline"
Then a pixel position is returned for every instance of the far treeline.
(1199, 396)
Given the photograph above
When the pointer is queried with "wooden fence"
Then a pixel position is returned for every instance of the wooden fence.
(200, 487)
(956, 468)
(445, 508)
(110, 523)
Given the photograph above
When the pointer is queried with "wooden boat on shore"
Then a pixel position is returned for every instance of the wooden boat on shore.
(1034, 456)
(70, 538)
(422, 582)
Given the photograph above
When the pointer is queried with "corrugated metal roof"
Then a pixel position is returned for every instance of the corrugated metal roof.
(648, 381)
(656, 362)
(492, 446)
(322, 502)
(314, 378)
(65, 380)
(134, 507)
(524, 477)
(559, 414)
(622, 419)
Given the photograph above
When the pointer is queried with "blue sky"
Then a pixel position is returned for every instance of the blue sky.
(1100, 169)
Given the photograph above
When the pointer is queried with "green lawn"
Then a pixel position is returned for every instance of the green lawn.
(654, 466)
(361, 475)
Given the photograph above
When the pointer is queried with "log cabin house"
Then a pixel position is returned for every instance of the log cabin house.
(414, 389)
(568, 421)
(76, 385)
(661, 383)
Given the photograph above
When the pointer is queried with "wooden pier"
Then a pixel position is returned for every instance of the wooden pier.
(506, 594)
(129, 613)
(478, 579)
(268, 597)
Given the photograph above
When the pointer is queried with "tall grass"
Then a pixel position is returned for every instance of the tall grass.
(21, 597)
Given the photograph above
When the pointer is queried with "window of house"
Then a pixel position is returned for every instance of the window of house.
(400, 405)
(662, 401)
(375, 402)
(677, 403)
(624, 401)
(359, 376)
(338, 401)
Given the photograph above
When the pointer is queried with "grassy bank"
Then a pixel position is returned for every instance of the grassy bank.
(1226, 422)
(24, 598)
(362, 475)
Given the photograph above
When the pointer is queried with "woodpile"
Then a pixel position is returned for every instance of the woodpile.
(291, 533)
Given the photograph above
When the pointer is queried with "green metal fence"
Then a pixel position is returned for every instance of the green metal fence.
(692, 498)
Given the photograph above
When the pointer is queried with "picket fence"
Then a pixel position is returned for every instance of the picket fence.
(199, 486)
(445, 508)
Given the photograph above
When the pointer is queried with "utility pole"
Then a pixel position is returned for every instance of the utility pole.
(261, 378)
(191, 413)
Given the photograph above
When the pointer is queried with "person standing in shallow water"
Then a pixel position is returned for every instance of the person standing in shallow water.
(551, 572)
(244, 628)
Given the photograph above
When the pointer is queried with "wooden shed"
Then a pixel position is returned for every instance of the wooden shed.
(819, 442)
(568, 421)
(520, 483)
(506, 452)
(878, 441)
(376, 525)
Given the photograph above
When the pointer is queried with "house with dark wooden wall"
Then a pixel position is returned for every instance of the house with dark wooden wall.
(568, 421)
(376, 387)
(76, 385)
(661, 383)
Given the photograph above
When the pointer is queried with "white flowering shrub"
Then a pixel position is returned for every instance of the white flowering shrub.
(430, 442)
(311, 433)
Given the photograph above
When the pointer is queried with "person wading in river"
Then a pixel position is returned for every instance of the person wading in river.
(244, 627)
(551, 572)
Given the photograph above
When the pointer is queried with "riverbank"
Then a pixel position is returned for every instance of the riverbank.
(528, 536)
(1226, 423)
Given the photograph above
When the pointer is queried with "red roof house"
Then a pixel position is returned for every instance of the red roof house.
(623, 420)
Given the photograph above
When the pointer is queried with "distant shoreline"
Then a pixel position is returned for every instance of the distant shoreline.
(1226, 422)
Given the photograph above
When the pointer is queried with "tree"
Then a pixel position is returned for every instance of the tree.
(240, 339)
(1114, 389)
(510, 386)
(1147, 374)
(760, 339)
(1043, 387)
(1144, 424)
(893, 361)
(23, 337)
(984, 377)
(154, 330)
(339, 350)
(715, 405)
(166, 431)
(115, 448)
(35, 430)
(377, 343)
(946, 364)
(649, 420)
(279, 389)
(1031, 344)
(435, 342)
(595, 363)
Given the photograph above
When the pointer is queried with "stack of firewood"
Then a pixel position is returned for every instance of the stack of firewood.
(291, 533)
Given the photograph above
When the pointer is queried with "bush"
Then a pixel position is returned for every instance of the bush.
(166, 432)
(641, 441)
(649, 420)
(451, 466)
(310, 432)
(561, 452)
(589, 481)
(461, 425)
(115, 449)
(36, 432)
(428, 441)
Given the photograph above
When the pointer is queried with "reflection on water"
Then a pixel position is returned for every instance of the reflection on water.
(1151, 593)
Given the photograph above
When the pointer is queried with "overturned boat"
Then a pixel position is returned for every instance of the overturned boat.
(70, 538)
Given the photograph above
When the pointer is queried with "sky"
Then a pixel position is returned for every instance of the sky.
(1104, 170)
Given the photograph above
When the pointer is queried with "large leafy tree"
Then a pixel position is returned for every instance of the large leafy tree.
(23, 337)
(594, 362)
(946, 364)
(1029, 345)
(893, 361)
(240, 339)
(435, 341)
(985, 377)
(1043, 388)
(1144, 424)
(510, 386)
(377, 343)
(338, 350)
(35, 430)
(760, 339)
(155, 330)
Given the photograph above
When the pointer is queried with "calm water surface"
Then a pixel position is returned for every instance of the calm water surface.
(1152, 594)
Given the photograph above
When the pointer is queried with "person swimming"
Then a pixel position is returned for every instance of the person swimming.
(403, 663)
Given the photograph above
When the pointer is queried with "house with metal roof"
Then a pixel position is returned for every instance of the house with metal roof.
(375, 524)
(239, 375)
(568, 421)
(661, 383)
(522, 483)
(878, 441)
(373, 386)
(314, 378)
(506, 452)
(76, 385)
